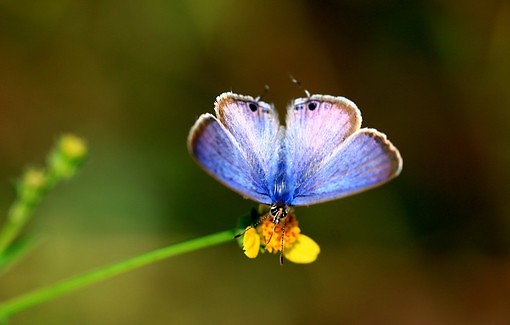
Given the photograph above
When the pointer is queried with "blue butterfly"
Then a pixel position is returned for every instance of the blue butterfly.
(321, 154)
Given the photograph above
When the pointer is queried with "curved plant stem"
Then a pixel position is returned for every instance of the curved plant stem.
(17, 304)
(18, 216)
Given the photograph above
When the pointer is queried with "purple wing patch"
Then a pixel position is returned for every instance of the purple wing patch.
(236, 147)
(316, 126)
(366, 159)
(255, 127)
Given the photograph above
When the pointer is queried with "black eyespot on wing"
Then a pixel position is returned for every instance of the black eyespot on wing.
(298, 107)
(312, 105)
(253, 106)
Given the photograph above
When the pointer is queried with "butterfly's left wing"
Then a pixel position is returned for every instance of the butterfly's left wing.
(329, 156)
(238, 145)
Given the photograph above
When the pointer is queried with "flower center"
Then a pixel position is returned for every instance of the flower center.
(269, 231)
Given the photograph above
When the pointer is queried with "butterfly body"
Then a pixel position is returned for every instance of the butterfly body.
(321, 153)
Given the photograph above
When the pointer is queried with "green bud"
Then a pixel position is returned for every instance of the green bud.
(67, 157)
(31, 185)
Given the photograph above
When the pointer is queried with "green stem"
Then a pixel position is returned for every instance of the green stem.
(17, 217)
(15, 305)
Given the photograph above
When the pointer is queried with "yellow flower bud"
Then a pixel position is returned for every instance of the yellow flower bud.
(33, 179)
(72, 146)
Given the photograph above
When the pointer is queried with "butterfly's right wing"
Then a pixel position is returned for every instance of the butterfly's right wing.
(329, 156)
(239, 145)
(315, 126)
(365, 160)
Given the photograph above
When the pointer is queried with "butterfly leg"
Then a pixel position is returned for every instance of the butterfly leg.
(261, 219)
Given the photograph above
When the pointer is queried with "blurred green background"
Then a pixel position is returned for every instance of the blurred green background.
(431, 247)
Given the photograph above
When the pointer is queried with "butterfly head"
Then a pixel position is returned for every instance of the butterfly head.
(278, 212)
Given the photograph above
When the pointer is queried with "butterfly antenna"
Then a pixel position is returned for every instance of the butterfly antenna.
(298, 83)
(283, 242)
(266, 89)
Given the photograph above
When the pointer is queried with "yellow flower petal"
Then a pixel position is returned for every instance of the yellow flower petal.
(251, 243)
(305, 250)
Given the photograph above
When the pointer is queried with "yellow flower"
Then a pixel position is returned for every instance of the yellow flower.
(304, 251)
(251, 243)
(267, 236)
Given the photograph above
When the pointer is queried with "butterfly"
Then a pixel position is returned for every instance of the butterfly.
(321, 153)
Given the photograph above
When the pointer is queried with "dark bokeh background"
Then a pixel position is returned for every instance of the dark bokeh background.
(431, 247)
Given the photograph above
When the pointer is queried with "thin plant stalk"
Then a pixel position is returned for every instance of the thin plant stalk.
(64, 161)
(34, 298)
